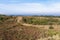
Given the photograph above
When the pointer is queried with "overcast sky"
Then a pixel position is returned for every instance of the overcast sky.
(29, 6)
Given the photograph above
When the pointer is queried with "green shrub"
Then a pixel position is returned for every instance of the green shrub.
(51, 27)
(51, 32)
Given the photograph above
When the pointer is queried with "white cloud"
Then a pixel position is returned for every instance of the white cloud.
(30, 8)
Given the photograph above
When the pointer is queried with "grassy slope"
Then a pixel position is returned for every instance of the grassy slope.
(10, 30)
(41, 20)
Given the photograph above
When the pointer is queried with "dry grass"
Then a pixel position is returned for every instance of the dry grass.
(11, 30)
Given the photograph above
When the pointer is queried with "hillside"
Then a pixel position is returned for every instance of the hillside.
(42, 20)
(29, 28)
(11, 30)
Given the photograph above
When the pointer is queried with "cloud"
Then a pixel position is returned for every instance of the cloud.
(30, 8)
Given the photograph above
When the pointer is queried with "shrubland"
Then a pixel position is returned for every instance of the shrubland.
(11, 30)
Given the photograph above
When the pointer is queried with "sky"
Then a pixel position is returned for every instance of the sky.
(30, 7)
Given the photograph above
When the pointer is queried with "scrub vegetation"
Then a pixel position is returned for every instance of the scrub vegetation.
(13, 28)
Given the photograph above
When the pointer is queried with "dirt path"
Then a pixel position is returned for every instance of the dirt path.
(39, 26)
(43, 26)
